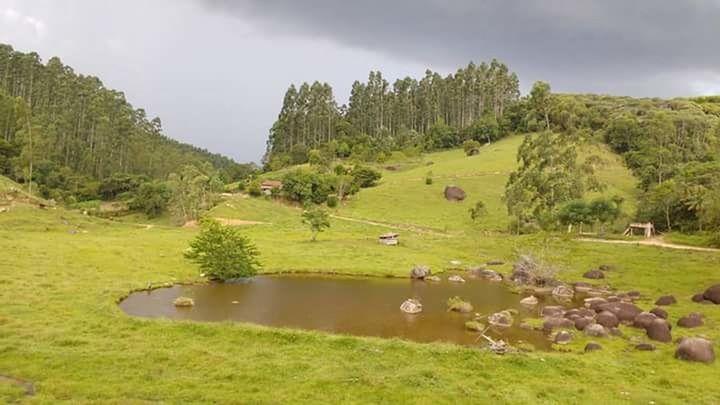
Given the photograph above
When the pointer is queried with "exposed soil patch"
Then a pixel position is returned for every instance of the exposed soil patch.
(410, 228)
(27, 386)
(227, 222)
(650, 242)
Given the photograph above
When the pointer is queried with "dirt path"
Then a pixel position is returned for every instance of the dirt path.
(28, 387)
(227, 222)
(651, 242)
(410, 228)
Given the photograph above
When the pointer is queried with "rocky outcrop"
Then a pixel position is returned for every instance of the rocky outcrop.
(411, 306)
(454, 193)
(695, 349)
(419, 272)
(607, 319)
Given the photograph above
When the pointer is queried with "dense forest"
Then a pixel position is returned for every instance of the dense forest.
(430, 113)
(67, 132)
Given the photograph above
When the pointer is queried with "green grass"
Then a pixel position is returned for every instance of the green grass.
(63, 273)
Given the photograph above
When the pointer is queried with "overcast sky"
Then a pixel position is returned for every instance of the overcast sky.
(215, 71)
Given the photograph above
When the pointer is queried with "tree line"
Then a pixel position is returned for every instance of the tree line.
(65, 132)
(433, 112)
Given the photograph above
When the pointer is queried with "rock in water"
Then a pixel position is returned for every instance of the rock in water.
(457, 304)
(456, 279)
(695, 349)
(420, 272)
(666, 300)
(659, 330)
(411, 306)
(692, 320)
(530, 301)
(454, 193)
(432, 278)
(563, 292)
(183, 302)
(713, 294)
(552, 311)
(502, 319)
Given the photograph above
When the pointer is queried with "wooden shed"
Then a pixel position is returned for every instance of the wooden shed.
(648, 229)
(268, 186)
(389, 239)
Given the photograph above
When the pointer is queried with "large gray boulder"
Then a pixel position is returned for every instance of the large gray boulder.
(666, 300)
(713, 294)
(594, 275)
(502, 319)
(659, 330)
(454, 193)
(419, 272)
(411, 306)
(625, 311)
(695, 349)
(692, 320)
(607, 319)
(596, 330)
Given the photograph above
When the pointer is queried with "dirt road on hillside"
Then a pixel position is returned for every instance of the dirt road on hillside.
(658, 242)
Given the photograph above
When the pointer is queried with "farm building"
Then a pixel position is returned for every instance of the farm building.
(268, 186)
(648, 230)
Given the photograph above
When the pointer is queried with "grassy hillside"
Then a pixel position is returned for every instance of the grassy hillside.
(63, 274)
(403, 197)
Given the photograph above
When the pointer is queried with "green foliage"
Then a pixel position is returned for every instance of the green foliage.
(254, 188)
(540, 102)
(119, 183)
(332, 201)
(317, 219)
(223, 253)
(471, 147)
(478, 211)
(151, 198)
(365, 177)
(193, 191)
(429, 178)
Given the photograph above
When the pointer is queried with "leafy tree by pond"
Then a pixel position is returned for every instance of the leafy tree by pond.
(223, 253)
(317, 219)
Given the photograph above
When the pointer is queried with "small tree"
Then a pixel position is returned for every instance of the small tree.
(254, 188)
(471, 147)
(317, 219)
(222, 252)
(151, 198)
(478, 211)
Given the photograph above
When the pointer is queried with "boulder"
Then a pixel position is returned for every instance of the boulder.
(607, 319)
(432, 278)
(474, 326)
(457, 304)
(713, 294)
(456, 279)
(659, 330)
(411, 306)
(454, 193)
(644, 319)
(582, 323)
(625, 311)
(698, 297)
(495, 263)
(573, 313)
(592, 346)
(582, 287)
(695, 349)
(563, 337)
(563, 292)
(616, 331)
(552, 311)
(659, 312)
(633, 294)
(645, 347)
(595, 330)
(557, 322)
(486, 274)
(693, 320)
(586, 312)
(502, 319)
(594, 303)
(605, 267)
(530, 301)
(420, 272)
(183, 302)
(666, 300)
(594, 275)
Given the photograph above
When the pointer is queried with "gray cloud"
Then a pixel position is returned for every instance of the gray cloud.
(620, 46)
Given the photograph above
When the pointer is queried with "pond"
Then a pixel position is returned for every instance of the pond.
(355, 306)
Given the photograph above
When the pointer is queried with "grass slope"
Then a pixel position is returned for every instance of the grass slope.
(62, 274)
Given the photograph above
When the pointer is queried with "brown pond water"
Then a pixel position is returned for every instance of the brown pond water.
(355, 306)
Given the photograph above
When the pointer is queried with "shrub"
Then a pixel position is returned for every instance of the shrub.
(151, 198)
(254, 188)
(365, 177)
(478, 210)
(428, 178)
(332, 201)
(471, 147)
(317, 219)
(223, 253)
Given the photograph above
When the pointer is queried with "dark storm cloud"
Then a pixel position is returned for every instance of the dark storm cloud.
(631, 47)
